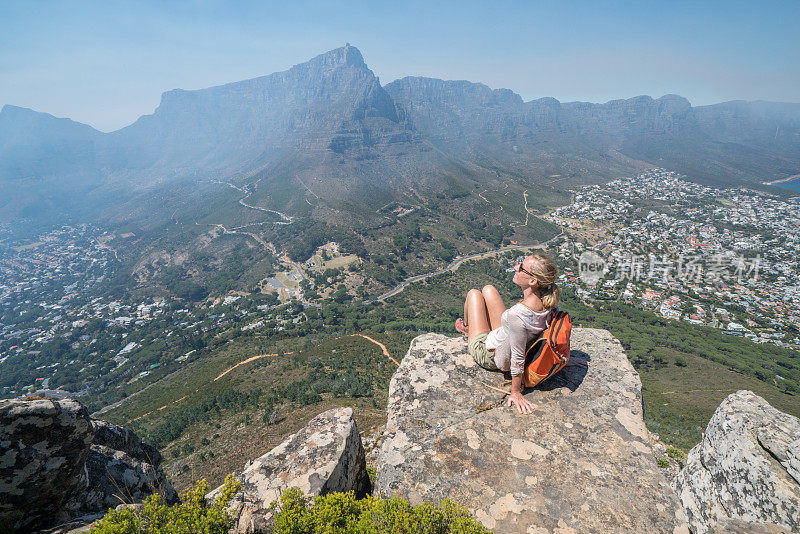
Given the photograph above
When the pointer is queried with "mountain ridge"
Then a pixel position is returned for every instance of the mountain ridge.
(328, 128)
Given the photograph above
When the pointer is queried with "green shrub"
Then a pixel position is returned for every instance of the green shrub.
(193, 514)
(342, 513)
(663, 463)
(677, 454)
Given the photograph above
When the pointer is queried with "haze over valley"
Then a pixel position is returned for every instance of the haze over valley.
(252, 253)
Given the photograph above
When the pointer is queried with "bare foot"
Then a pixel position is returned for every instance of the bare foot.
(462, 327)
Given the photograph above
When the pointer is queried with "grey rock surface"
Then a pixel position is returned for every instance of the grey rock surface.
(60, 467)
(43, 449)
(745, 470)
(325, 456)
(121, 469)
(581, 462)
(123, 439)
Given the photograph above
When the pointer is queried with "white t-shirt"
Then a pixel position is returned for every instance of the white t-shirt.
(518, 325)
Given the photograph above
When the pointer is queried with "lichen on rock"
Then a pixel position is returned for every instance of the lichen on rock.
(745, 470)
(581, 462)
(325, 456)
(57, 465)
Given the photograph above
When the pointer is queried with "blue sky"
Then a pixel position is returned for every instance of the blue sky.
(105, 63)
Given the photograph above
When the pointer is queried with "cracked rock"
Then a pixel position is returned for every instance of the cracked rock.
(581, 462)
(60, 466)
(745, 470)
(325, 456)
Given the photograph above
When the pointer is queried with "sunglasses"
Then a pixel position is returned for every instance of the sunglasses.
(521, 270)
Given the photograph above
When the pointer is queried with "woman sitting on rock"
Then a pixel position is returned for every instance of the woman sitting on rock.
(498, 336)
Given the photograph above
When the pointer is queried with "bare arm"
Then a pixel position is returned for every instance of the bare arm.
(517, 339)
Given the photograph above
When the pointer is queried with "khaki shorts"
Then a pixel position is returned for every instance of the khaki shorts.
(482, 356)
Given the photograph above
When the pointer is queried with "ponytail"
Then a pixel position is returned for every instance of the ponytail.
(546, 272)
(551, 295)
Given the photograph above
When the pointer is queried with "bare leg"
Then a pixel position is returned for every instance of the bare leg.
(476, 314)
(494, 304)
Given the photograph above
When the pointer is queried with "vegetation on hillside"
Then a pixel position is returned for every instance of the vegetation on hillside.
(192, 514)
(342, 513)
(667, 354)
(333, 513)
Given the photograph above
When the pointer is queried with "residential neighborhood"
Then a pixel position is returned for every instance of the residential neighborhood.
(726, 258)
(63, 327)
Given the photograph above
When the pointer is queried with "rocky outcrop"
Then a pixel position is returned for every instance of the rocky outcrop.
(57, 464)
(581, 462)
(43, 449)
(324, 456)
(745, 471)
(121, 469)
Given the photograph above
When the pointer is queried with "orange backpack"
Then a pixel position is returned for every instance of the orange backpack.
(549, 352)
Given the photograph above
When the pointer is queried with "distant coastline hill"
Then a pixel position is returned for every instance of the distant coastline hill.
(328, 125)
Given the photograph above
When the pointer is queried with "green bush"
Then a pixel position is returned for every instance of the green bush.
(342, 513)
(192, 515)
(663, 463)
(677, 455)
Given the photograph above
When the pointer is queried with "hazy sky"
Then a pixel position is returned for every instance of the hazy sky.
(105, 63)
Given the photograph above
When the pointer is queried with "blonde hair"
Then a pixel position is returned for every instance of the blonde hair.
(544, 269)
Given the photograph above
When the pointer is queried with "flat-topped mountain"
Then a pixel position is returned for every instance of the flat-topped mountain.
(328, 128)
(227, 126)
(252, 121)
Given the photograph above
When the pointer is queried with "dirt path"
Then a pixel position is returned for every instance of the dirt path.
(252, 359)
(223, 373)
(248, 360)
(382, 346)
(527, 210)
(176, 401)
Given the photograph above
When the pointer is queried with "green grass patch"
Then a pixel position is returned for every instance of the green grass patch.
(679, 401)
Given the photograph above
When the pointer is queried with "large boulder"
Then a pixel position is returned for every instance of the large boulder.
(745, 471)
(325, 456)
(581, 462)
(43, 449)
(60, 467)
(121, 469)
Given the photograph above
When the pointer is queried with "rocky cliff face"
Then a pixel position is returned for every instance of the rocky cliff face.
(325, 456)
(471, 117)
(746, 471)
(582, 462)
(247, 122)
(43, 449)
(57, 464)
(229, 125)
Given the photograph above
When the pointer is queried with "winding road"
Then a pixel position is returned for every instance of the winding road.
(455, 264)
(286, 219)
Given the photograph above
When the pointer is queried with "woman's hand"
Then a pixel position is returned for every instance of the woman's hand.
(516, 399)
